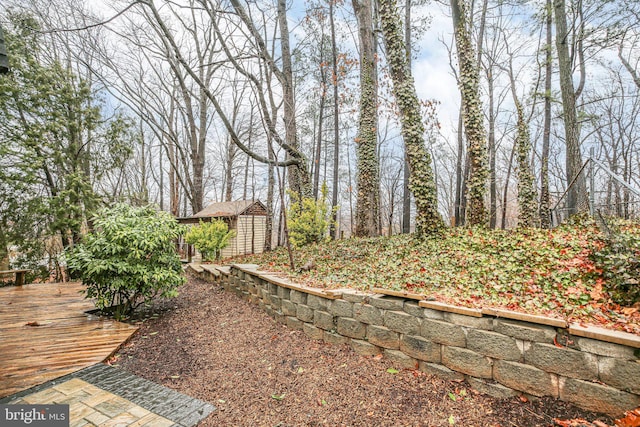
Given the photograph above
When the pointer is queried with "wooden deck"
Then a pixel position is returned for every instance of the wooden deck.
(45, 333)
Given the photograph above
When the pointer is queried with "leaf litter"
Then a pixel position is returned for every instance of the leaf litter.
(226, 367)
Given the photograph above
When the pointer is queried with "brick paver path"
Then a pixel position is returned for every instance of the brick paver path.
(106, 396)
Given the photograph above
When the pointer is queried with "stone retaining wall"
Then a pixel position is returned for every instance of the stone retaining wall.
(497, 352)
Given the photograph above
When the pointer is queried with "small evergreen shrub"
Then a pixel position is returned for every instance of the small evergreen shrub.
(308, 219)
(128, 259)
(210, 238)
(619, 260)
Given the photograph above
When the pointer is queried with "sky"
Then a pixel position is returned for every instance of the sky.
(432, 70)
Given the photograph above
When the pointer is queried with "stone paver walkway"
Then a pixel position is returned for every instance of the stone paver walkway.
(105, 396)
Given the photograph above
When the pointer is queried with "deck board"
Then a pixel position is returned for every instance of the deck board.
(65, 341)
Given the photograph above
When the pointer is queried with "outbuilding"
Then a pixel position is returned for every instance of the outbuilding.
(247, 217)
(4, 59)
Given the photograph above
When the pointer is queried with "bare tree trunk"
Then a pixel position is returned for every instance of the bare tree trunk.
(492, 152)
(368, 181)
(232, 149)
(422, 183)
(333, 231)
(161, 171)
(231, 154)
(505, 195)
(270, 195)
(174, 195)
(299, 176)
(246, 168)
(577, 193)
(323, 95)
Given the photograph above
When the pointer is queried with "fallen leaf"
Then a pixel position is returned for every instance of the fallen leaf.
(631, 419)
(555, 342)
(392, 371)
(174, 376)
(452, 420)
(578, 422)
(278, 397)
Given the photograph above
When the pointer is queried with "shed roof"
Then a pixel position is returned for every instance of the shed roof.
(232, 209)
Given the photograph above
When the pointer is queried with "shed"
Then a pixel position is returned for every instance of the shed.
(4, 59)
(247, 217)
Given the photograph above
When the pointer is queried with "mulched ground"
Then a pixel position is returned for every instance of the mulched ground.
(212, 345)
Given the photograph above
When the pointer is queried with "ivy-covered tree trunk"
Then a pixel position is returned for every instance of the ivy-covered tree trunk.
(406, 191)
(368, 180)
(526, 190)
(421, 180)
(545, 199)
(472, 117)
(527, 203)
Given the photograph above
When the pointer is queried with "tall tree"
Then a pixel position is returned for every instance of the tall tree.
(336, 123)
(47, 117)
(299, 180)
(526, 190)
(406, 192)
(577, 185)
(545, 198)
(235, 55)
(368, 180)
(421, 179)
(471, 114)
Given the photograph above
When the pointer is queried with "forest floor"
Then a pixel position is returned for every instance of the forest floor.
(212, 345)
(574, 272)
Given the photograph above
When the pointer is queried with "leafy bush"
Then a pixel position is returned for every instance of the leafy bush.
(128, 259)
(308, 219)
(619, 260)
(210, 238)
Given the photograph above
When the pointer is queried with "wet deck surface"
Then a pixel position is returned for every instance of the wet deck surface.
(45, 334)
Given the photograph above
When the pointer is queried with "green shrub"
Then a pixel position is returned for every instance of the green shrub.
(128, 259)
(210, 238)
(619, 260)
(308, 220)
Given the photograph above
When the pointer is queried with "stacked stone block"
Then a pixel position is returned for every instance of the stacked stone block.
(498, 356)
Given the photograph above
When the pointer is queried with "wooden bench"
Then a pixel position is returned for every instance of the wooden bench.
(18, 274)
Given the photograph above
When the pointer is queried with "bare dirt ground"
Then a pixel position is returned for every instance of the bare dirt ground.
(212, 345)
